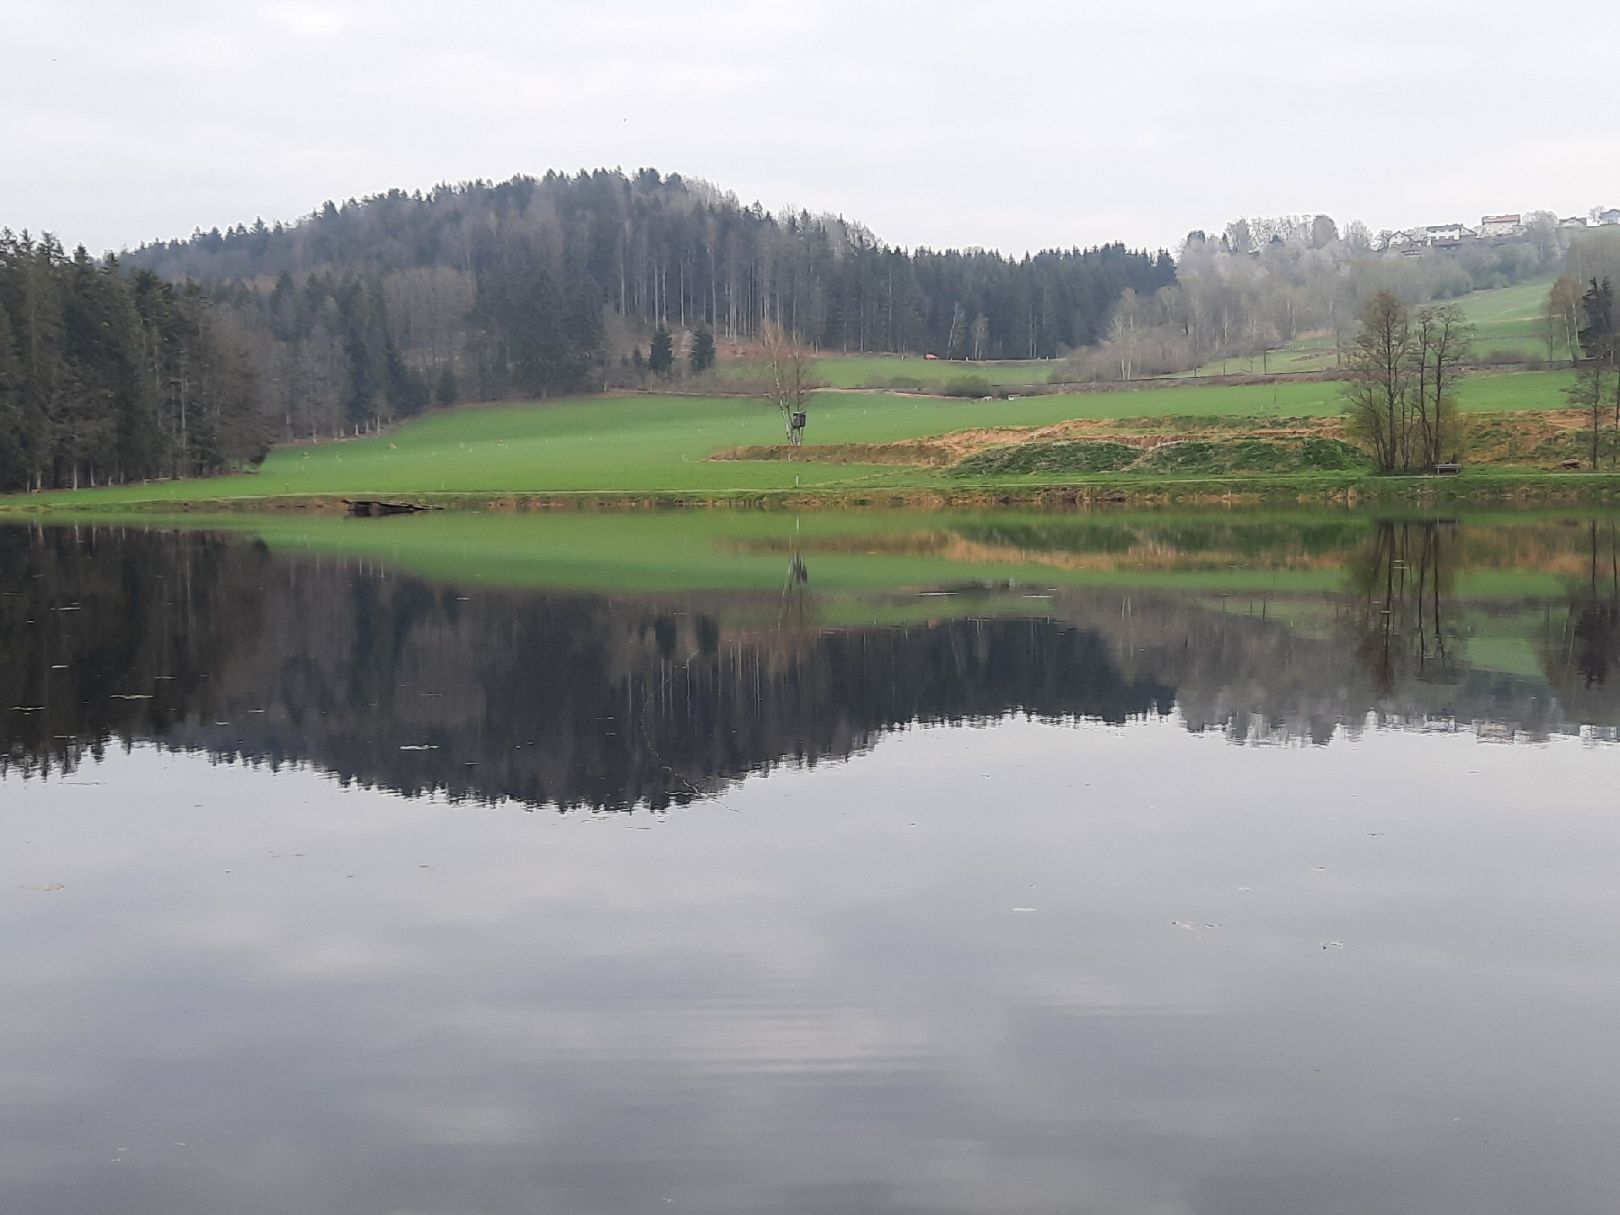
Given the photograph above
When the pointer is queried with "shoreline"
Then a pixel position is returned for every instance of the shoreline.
(1528, 489)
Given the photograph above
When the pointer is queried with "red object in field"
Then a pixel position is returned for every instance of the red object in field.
(931, 356)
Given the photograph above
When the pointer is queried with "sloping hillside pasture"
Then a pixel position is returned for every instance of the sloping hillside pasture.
(1507, 321)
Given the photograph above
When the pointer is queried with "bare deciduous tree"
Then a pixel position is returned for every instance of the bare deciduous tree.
(1380, 364)
(1122, 330)
(791, 384)
(1441, 340)
(1562, 317)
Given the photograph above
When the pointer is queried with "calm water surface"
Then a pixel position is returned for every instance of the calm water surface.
(890, 864)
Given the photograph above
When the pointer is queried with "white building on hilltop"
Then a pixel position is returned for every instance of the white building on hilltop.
(1501, 225)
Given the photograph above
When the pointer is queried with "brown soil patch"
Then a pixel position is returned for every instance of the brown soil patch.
(940, 451)
(1539, 437)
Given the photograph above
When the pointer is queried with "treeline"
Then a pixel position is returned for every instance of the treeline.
(326, 359)
(1263, 283)
(542, 285)
(107, 376)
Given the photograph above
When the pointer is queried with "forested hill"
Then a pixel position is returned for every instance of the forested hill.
(542, 285)
(191, 356)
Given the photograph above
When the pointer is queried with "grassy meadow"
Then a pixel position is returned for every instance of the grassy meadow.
(661, 445)
(884, 370)
(1507, 322)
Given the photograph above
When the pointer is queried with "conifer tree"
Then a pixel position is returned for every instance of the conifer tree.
(445, 391)
(702, 355)
(661, 358)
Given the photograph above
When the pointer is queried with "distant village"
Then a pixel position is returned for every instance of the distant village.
(1492, 227)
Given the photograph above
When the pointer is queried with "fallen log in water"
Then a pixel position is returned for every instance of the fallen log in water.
(372, 508)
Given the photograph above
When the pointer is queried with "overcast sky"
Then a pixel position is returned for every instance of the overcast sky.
(1014, 125)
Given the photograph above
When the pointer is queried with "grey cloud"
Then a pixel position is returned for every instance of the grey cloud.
(1021, 126)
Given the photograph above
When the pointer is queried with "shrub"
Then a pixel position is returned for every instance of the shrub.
(1500, 357)
(968, 386)
(1333, 455)
(1062, 457)
(1256, 455)
(1184, 454)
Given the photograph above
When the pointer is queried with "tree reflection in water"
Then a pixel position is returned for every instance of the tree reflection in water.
(1404, 575)
(210, 643)
(1585, 646)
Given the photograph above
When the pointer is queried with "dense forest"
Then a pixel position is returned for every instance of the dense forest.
(112, 376)
(368, 309)
(187, 357)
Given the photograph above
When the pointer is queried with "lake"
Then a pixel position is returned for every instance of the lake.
(887, 862)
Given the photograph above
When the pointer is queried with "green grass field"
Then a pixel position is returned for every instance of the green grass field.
(882, 370)
(1506, 321)
(1509, 319)
(1314, 353)
(660, 444)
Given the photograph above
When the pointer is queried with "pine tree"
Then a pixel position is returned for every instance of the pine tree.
(1597, 336)
(661, 358)
(13, 459)
(445, 392)
(37, 317)
(702, 356)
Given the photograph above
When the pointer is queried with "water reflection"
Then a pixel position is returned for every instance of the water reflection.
(1099, 960)
(1584, 644)
(1405, 575)
(211, 643)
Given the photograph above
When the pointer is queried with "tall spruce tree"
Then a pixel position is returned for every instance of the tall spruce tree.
(13, 459)
(1597, 335)
(701, 357)
(661, 357)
